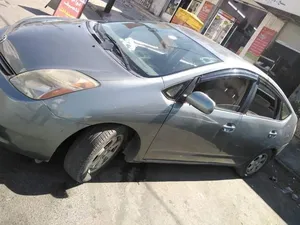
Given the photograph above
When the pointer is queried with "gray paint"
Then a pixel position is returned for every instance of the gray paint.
(168, 130)
(201, 102)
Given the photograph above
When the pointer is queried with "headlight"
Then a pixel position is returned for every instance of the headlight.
(43, 84)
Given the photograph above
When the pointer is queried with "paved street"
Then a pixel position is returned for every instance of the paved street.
(140, 194)
(137, 194)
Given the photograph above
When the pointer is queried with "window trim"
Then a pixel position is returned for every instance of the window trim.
(236, 72)
(278, 102)
(275, 92)
(179, 94)
(280, 110)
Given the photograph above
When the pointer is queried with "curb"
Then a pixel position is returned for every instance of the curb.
(287, 168)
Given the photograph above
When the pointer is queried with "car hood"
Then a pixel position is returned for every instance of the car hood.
(57, 43)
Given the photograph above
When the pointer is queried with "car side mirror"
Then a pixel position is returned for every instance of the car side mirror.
(201, 102)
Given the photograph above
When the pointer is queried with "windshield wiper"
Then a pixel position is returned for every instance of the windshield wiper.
(120, 51)
(113, 44)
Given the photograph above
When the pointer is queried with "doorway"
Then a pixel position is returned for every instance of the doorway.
(282, 64)
(235, 23)
(194, 6)
(220, 26)
(170, 10)
(172, 7)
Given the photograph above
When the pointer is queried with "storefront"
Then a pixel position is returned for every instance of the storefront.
(201, 8)
(172, 6)
(194, 6)
(281, 60)
(235, 23)
(220, 26)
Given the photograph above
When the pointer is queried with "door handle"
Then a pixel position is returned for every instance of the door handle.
(272, 134)
(228, 128)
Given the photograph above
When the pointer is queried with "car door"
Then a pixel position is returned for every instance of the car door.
(190, 135)
(264, 125)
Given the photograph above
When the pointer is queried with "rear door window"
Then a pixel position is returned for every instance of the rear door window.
(264, 103)
(284, 111)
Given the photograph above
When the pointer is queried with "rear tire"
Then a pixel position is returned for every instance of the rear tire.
(255, 164)
(93, 150)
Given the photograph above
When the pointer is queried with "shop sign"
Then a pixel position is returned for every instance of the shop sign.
(70, 8)
(220, 26)
(290, 6)
(205, 11)
(261, 42)
(226, 15)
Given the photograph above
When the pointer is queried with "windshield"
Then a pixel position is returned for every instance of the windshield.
(158, 49)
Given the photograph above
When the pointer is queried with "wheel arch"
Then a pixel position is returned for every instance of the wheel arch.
(274, 152)
(133, 141)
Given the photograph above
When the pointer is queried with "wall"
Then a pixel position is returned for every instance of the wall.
(290, 36)
(145, 3)
(157, 6)
(269, 21)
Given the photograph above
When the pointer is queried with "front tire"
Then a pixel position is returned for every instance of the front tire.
(255, 164)
(93, 150)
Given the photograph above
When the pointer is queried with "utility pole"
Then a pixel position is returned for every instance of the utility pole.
(109, 5)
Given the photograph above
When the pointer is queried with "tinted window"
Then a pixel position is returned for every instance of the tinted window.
(174, 91)
(226, 92)
(284, 112)
(264, 103)
(158, 49)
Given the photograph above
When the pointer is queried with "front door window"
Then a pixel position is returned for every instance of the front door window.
(227, 92)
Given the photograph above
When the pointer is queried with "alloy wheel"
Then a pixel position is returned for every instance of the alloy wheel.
(104, 154)
(256, 164)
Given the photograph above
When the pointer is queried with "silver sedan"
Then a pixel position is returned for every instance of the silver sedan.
(156, 92)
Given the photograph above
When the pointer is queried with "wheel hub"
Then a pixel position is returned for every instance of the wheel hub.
(257, 163)
(105, 153)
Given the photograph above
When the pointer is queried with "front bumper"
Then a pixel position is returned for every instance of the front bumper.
(28, 126)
